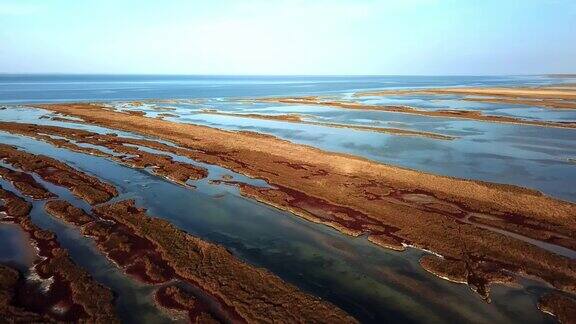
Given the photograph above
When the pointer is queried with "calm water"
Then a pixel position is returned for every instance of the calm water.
(529, 156)
(534, 157)
(47, 88)
(373, 284)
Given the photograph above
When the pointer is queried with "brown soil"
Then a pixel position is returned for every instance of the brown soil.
(156, 108)
(140, 256)
(134, 254)
(13, 206)
(380, 194)
(136, 112)
(175, 298)
(453, 270)
(154, 251)
(557, 96)
(96, 300)
(539, 231)
(317, 210)
(161, 115)
(298, 120)
(285, 117)
(65, 211)
(562, 75)
(89, 188)
(546, 103)
(479, 275)
(73, 291)
(205, 318)
(173, 301)
(559, 305)
(254, 294)
(567, 93)
(131, 155)
(443, 113)
(10, 282)
(63, 119)
(25, 183)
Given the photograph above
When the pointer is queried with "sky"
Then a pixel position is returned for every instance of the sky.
(283, 37)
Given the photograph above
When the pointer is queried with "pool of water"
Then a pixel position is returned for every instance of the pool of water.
(15, 248)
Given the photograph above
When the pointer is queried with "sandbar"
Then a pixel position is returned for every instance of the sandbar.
(441, 113)
(417, 208)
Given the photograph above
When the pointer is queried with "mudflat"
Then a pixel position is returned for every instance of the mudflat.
(395, 206)
(296, 119)
(555, 96)
(441, 113)
(151, 250)
(566, 92)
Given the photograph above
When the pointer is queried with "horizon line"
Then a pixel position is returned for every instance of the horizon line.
(566, 74)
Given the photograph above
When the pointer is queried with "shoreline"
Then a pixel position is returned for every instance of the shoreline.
(72, 294)
(365, 187)
(442, 113)
(154, 251)
(555, 96)
(297, 119)
(542, 92)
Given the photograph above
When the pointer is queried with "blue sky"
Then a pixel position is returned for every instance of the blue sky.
(424, 37)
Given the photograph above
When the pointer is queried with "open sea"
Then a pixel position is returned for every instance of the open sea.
(56, 87)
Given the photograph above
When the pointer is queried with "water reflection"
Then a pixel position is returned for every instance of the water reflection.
(15, 248)
(373, 284)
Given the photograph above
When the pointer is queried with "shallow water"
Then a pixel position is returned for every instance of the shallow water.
(15, 248)
(133, 301)
(533, 157)
(373, 284)
(528, 156)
